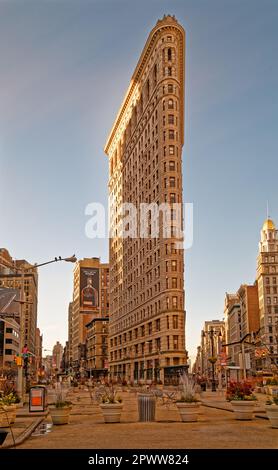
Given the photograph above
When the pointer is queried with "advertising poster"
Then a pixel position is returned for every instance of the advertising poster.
(89, 288)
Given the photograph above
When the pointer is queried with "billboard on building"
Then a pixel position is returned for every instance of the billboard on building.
(89, 288)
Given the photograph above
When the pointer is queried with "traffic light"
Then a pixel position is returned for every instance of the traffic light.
(18, 360)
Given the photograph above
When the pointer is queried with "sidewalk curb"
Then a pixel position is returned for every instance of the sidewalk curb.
(230, 411)
(25, 434)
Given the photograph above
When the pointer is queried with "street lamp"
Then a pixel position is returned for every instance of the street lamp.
(211, 333)
(23, 270)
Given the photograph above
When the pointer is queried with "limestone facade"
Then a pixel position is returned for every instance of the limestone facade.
(147, 315)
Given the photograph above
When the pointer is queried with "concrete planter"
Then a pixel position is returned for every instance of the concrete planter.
(7, 415)
(111, 412)
(272, 414)
(188, 411)
(60, 415)
(11, 409)
(243, 409)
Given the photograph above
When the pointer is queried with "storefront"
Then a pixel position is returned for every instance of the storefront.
(172, 374)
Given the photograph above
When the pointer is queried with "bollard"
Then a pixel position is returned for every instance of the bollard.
(146, 407)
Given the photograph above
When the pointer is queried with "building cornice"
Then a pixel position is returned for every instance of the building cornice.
(167, 23)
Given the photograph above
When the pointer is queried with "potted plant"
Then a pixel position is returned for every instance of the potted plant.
(60, 411)
(271, 408)
(111, 403)
(8, 405)
(188, 404)
(242, 399)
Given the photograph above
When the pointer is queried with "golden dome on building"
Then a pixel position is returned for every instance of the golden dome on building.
(269, 225)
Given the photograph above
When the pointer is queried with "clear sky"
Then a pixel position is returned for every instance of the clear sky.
(64, 69)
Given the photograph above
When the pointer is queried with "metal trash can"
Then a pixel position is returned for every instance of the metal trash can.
(37, 398)
(146, 407)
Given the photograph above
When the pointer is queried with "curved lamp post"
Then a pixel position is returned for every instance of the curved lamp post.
(213, 358)
(23, 270)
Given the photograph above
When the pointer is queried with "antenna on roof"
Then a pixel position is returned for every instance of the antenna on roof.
(267, 211)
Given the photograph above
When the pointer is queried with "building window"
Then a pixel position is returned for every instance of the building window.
(172, 166)
(157, 344)
(167, 322)
(171, 134)
(8, 352)
(168, 342)
(169, 53)
(170, 88)
(171, 119)
(176, 342)
(157, 324)
(172, 181)
(171, 150)
(174, 264)
(172, 198)
(175, 302)
(170, 104)
(155, 74)
(175, 322)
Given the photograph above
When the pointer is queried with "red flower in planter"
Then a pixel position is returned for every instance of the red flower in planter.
(240, 391)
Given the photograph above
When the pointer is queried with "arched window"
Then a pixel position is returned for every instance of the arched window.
(170, 104)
